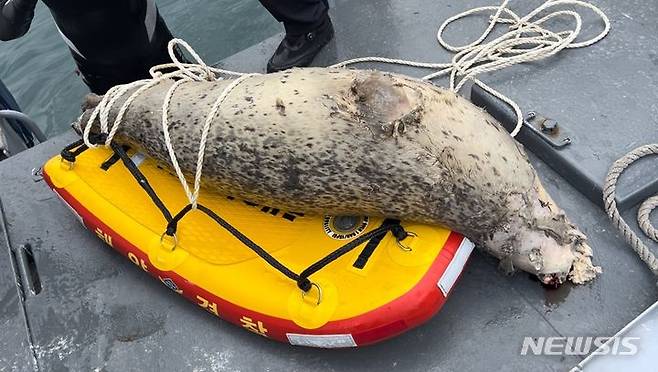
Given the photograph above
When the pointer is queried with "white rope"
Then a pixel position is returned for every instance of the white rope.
(609, 194)
(182, 73)
(527, 40)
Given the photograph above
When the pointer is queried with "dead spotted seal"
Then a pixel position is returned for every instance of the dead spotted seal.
(360, 142)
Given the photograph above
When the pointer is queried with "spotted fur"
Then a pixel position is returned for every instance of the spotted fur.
(335, 141)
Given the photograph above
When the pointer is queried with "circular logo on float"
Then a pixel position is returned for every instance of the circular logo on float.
(344, 227)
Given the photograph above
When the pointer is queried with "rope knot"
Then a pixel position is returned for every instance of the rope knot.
(98, 138)
(517, 25)
(304, 284)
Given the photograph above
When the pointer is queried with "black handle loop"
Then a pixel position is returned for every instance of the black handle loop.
(71, 152)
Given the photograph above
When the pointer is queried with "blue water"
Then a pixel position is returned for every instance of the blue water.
(39, 70)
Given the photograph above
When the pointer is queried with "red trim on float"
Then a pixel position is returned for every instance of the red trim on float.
(418, 305)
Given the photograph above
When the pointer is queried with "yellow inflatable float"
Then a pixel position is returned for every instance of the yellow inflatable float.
(332, 281)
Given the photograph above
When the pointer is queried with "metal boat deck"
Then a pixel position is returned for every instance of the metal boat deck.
(95, 311)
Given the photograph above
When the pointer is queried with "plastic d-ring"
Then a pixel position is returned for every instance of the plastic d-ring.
(174, 239)
(319, 292)
(405, 247)
(67, 164)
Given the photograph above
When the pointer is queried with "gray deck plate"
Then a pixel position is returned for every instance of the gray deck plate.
(97, 310)
(638, 183)
(15, 352)
(642, 332)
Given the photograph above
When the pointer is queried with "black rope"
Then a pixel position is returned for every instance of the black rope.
(249, 243)
(173, 225)
(141, 180)
(304, 284)
(71, 151)
(301, 279)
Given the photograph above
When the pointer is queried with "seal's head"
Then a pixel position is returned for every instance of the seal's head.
(89, 103)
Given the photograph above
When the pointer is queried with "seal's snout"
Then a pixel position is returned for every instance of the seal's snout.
(90, 101)
(552, 280)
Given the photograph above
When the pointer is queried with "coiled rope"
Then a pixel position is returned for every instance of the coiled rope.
(609, 194)
(528, 39)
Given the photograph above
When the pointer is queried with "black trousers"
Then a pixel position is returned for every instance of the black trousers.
(298, 16)
(100, 76)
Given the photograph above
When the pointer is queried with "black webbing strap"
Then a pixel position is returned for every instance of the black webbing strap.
(70, 153)
(397, 231)
(369, 249)
(173, 224)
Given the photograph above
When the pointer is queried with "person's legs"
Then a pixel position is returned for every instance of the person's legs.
(308, 29)
(298, 16)
(101, 77)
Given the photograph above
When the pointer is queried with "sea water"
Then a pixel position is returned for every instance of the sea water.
(39, 70)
